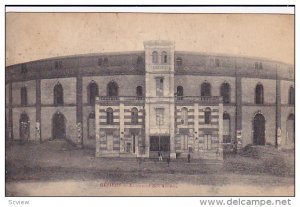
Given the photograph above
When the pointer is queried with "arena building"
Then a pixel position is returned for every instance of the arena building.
(139, 104)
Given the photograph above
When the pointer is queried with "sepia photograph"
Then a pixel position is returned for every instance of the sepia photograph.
(149, 104)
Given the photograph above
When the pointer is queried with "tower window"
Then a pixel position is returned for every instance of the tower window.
(109, 116)
(207, 116)
(159, 86)
(134, 116)
(154, 57)
(164, 57)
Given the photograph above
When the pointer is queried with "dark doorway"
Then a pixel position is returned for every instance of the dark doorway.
(290, 128)
(159, 144)
(24, 127)
(259, 130)
(91, 126)
(58, 126)
(133, 141)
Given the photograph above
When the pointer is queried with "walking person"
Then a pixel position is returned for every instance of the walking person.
(160, 157)
(168, 161)
(189, 158)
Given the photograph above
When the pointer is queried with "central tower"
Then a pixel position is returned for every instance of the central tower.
(159, 100)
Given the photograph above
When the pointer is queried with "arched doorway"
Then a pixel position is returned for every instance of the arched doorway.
(24, 127)
(58, 126)
(259, 130)
(290, 128)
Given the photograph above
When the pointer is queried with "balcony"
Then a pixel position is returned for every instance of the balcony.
(120, 98)
(200, 99)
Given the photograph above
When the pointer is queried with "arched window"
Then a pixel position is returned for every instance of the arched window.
(154, 57)
(291, 95)
(134, 116)
(58, 94)
(164, 57)
(112, 89)
(205, 89)
(23, 96)
(259, 94)
(139, 91)
(179, 92)
(225, 92)
(93, 92)
(226, 128)
(109, 116)
(184, 116)
(91, 126)
(207, 116)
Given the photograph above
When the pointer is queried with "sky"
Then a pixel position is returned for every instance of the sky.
(34, 36)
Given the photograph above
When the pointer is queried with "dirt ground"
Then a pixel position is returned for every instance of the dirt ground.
(57, 169)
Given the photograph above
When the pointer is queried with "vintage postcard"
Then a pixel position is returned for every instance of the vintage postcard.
(149, 104)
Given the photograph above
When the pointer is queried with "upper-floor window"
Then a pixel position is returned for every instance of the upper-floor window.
(139, 60)
(207, 115)
(93, 92)
(100, 61)
(159, 116)
(154, 57)
(105, 61)
(24, 69)
(179, 61)
(225, 92)
(164, 57)
(112, 89)
(184, 116)
(58, 94)
(109, 116)
(292, 95)
(258, 65)
(205, 89)
(179, 92)
(23, 96)
(217, 62)
(139, 91)
(259, 94)
(160, 86)
(58, 64)
(134, 116)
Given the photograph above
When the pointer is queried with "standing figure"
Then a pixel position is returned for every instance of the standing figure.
(189, 158)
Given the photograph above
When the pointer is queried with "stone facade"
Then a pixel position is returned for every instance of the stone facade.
(31, 114)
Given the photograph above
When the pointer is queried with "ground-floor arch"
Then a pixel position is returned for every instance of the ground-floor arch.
(259, 130)
(24, 127)
(58, 126)
(290, 128)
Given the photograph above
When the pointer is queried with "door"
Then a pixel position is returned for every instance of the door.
(259, 130)
(58, 126)
(24, 127)
(207, 141)
(290, 129)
